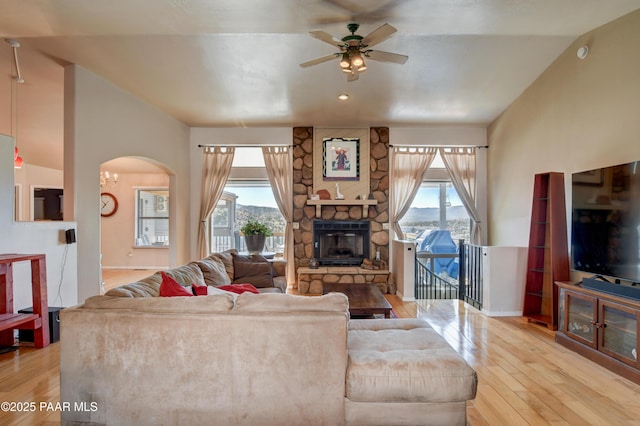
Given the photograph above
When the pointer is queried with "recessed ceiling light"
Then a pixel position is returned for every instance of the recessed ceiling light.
(343, 96)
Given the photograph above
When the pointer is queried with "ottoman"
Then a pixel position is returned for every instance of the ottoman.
(401, 372)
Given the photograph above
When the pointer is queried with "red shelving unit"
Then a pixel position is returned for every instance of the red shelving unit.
(548, 256)
(38, 321)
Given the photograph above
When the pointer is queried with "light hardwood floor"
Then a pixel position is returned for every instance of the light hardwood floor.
(525, 378)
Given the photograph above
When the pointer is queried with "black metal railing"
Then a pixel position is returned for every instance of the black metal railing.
(468, 284)
(471, 268)
(429, 284)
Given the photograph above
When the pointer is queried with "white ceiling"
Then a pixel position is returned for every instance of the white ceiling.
(235, 63)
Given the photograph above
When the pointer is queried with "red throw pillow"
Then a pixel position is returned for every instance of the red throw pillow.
(239, 288)
(200, 290)
(170, 287)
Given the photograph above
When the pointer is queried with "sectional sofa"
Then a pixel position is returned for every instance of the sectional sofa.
(253, 359)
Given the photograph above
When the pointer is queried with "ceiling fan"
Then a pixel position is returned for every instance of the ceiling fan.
(354, 49)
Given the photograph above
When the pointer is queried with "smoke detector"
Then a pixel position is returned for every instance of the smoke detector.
(583, 52)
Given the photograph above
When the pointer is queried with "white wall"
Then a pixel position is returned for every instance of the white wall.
(103, 122)
(438, 135)
(35, 237)
(578, 115)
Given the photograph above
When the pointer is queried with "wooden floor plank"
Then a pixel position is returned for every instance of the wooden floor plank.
(510, 391)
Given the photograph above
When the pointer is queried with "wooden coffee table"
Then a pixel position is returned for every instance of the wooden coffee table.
(364, 299)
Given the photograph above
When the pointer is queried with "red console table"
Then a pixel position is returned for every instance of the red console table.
(38, 321)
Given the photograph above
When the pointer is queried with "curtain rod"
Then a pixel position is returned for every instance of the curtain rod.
(239, 146)
(439, 146)
(390, 146)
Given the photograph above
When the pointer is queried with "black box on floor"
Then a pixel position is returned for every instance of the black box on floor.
(54, 325)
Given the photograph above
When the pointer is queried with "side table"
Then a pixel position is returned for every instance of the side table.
(38, 321)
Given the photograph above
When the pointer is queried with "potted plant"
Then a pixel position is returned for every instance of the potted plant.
(255, 233)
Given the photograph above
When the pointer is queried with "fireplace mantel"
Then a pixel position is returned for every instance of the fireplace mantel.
(364, 203)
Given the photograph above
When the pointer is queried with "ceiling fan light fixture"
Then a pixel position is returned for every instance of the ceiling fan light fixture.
(345, 62)
(354, 48)
(356, 58)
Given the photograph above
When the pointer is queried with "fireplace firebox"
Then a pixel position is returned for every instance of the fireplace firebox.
(340, 242)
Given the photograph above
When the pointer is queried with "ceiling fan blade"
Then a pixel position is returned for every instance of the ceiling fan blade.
(353, 76)
(327, 38)
(318, 61)
(378, 55)
(378, 35)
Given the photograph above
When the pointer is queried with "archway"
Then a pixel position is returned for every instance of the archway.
(136, 219)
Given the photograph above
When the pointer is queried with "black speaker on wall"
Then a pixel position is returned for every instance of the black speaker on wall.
(70, 234)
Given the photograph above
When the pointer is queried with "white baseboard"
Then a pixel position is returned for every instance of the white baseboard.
(405, 299)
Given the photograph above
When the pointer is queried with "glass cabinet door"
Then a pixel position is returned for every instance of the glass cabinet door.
(619, 332)
(580, 317)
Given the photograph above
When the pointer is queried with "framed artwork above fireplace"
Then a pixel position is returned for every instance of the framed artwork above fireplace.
(342, 157)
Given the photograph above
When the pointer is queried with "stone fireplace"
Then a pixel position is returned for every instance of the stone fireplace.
(340, 242)
(304, 214)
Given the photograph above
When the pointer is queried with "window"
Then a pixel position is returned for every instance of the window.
(223, 223)
(152, 217)
(436, 207)
(248, 195)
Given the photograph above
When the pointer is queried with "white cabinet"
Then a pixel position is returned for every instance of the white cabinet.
(403, 262)
(504, 280)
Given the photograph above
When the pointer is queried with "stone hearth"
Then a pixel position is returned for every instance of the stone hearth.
(310, 281)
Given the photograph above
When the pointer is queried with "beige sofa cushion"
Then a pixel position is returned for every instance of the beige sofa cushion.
(138, 289)
(187, 368)
(403, 324)
(410, 363)
(195, 304)
(226, 257)
(214, 271)
(278, 302)
(185, 275)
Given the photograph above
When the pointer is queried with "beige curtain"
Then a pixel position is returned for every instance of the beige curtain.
(215, 172)
(461, 164)
(279, 164)
(408, 166)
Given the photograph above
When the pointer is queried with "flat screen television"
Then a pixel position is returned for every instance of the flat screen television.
(605, 228)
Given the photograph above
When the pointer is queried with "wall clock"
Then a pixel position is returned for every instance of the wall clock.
(108, 204)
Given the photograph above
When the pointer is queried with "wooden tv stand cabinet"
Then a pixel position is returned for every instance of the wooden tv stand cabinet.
(602, 327)
(38, 321)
